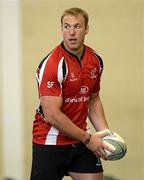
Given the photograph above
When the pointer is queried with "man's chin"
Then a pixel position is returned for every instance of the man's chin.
(73, 47)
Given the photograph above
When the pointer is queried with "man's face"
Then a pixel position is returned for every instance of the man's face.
(74, 31)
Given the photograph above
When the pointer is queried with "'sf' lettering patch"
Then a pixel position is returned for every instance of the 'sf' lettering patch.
(50, 84)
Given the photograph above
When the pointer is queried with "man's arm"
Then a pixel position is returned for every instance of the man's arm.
(52, 111)
(51, 106)
(96, 113)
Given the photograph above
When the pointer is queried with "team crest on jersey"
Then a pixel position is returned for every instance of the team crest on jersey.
(93, 73)
(84, 90)
(73, 77)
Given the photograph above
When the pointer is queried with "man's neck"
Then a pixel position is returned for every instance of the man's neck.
(76, 52)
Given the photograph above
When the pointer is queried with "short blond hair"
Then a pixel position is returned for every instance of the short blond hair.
(75, 12)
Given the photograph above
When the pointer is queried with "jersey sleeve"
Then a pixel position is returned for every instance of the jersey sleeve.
(96, 89)
(50, 78)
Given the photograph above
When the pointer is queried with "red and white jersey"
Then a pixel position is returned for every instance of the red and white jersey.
(62, 74)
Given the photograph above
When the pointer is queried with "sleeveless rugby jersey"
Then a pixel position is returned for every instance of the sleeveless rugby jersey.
(62, 74)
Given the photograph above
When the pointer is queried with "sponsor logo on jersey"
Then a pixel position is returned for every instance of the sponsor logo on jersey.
(84, 90)
(50, 84)
(77, 100)
(93, 73)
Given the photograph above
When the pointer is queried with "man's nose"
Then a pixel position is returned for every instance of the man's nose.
(72, 30)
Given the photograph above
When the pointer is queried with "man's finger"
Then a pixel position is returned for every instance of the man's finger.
(103, 133)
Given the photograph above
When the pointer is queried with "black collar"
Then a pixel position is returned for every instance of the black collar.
(62, 45)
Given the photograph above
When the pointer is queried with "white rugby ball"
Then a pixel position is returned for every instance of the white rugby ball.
(117, 144)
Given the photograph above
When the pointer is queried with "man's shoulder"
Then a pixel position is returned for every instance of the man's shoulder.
(56, 52)
(54, 55)
(95, 55)
(91, 50)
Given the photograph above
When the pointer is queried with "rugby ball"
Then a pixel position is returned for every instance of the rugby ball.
(117, 144)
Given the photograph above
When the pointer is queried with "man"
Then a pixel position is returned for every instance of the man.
(68, 84)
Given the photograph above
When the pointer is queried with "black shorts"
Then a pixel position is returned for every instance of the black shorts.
(51, 162)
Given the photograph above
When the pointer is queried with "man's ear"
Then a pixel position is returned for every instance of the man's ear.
(61, 27)
(87, 29)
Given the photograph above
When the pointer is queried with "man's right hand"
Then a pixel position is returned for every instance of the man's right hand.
(97, 146)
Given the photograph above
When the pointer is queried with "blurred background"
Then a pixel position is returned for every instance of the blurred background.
(29, 29)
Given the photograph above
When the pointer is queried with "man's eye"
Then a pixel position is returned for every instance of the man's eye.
(66, 26)
(77, 26)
